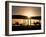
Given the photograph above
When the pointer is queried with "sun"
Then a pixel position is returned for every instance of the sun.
(28, 14)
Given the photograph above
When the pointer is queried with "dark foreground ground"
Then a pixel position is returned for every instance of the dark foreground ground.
(18, 28)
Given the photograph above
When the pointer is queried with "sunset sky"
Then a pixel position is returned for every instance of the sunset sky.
(26, 11)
